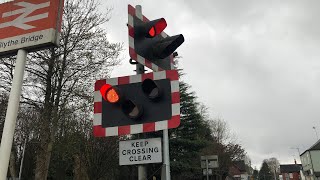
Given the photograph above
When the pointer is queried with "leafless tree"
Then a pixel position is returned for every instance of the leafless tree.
(274, 165)
(59, 81)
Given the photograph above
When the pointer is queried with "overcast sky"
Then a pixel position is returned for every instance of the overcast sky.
(253, 63)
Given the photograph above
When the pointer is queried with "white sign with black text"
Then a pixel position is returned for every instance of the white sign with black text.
(141, 151)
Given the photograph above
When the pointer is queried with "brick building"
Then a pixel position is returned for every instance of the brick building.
(290, 171)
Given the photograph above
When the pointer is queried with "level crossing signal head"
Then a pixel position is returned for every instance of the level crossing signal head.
(114, 95)
(136, 104)
(151, 29)
(150, 44)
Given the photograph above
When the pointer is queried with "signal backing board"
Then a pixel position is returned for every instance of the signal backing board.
(101, 125)
(163, 64)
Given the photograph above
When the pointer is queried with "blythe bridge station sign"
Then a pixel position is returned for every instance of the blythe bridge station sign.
(29, 25)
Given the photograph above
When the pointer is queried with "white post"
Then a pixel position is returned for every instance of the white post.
(12, 112)
(166, 159)
(142, 169)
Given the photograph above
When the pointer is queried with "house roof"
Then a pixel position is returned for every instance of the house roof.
(315, 146)
(290, 168)
(240, 165)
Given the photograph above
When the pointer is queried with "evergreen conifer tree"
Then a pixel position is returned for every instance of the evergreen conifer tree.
(255, 174)
(189, 138)
(265, 172)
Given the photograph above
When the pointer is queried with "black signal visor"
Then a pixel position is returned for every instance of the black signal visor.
(157, 27)
(167, 46)
(150, 29)
(132, 110)
(151, 89)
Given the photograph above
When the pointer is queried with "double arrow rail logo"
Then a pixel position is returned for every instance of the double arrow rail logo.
(28, 8)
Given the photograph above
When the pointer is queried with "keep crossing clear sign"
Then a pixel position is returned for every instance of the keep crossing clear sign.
(141, 151)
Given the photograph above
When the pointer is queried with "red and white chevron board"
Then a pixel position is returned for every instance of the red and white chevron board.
(174, 122)
(132, 52)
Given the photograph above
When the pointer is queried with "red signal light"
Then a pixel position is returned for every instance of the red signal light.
(152, 32)
(110, 94)
(104, 89)
(158, 27)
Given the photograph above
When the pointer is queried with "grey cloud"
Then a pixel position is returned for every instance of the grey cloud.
(254, 63)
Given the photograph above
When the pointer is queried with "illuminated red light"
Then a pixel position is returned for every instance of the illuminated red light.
(104, 89)
(152, 32)
(158, 27)
(112, 96)
(109, 93)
